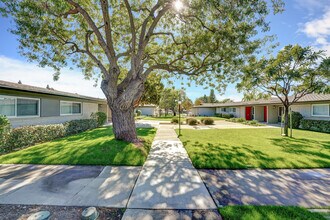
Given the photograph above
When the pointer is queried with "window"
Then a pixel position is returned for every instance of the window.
(70, 108)
(19, 107)
(234, 109)
(224, 109)
(7, 106)
(320, 110)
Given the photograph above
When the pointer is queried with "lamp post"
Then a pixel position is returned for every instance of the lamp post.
(179, 102)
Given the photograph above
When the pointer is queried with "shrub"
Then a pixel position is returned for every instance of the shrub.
(316, 125)
(77, 126)
(240, 120)
(187, 120)
(253, 122)
(4, 130)
(175, 120)
(138, 112)
(193, 121)
(207, 121)
(228, 116)
(31, 135)
(100, 117)
(296, 118)
(218, 115)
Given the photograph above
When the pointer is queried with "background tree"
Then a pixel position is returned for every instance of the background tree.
(153, 89)
(169, 100)
(122, 42)
(295, 72)
(212, 97)
(187, 104)
(226, 100)
(198, 101)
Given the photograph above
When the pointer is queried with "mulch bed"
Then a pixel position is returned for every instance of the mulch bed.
(22, 212)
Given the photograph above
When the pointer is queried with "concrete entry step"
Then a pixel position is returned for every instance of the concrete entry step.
(149, 214)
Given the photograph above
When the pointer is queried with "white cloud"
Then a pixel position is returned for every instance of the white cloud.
(319, 29)
(30, 74)
(312, 6)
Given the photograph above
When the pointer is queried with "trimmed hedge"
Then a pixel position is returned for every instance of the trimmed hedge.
(315, 125)
(296, 118)
(4, 129)
(192, 121)
(77, 126)
(207, 121)
(228, 116)
(30, 135)
(175, 120)
(100, 117)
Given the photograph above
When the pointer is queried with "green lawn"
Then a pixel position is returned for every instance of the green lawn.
(95, 147)
(267, 213)
(256, 148)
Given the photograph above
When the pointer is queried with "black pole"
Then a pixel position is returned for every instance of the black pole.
(179, 119)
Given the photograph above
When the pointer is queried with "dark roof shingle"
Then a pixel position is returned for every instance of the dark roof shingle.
(34, 89)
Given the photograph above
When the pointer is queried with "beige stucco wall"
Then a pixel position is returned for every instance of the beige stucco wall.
(272, 114)
(87, 110)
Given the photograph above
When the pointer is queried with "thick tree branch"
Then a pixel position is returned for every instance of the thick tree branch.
(93, 26)
(132, 25)
(107, 27)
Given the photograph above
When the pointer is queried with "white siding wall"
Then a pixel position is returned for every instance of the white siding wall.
(147, 110)
(204, 111)
(87, 110)
(229, 110)
(306, 111)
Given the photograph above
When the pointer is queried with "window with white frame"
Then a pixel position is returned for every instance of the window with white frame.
(224, 109)
(320, 110)
(234, 109)
(11, 106)
(70, 108)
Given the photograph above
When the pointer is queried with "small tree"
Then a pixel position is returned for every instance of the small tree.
(212, 98)
(295, 72)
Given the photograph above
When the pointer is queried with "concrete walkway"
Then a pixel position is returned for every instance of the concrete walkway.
(168, 179)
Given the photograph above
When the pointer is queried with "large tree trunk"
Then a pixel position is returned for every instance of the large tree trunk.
(124, 124)
(286, 120)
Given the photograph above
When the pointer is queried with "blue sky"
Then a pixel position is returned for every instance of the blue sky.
(304, 22)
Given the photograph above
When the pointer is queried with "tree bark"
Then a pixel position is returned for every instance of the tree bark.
(286, 120)
(124, 124)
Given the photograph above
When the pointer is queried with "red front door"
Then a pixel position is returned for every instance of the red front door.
(248, 111)
(265, 113)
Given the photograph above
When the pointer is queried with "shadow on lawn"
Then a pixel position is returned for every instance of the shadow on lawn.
(95, 147)
(303, 146)
(246, 156)
(229, 157)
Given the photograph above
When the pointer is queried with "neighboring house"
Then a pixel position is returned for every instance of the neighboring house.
(312, 106)
(30, 105)
(147, 110)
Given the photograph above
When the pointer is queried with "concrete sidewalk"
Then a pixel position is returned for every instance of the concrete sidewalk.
(168, 179)
(67, 185)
